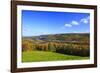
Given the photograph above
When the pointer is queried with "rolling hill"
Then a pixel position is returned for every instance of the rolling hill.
(68, 37)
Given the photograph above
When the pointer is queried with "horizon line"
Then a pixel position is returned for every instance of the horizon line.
(56, 33)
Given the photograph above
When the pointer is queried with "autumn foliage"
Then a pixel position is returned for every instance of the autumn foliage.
(59, 47)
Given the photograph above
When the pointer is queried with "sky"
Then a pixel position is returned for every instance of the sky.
(36, 23)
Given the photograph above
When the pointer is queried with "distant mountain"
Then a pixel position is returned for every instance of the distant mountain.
(73, 37)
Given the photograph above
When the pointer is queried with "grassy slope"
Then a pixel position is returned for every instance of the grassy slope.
(36, 56)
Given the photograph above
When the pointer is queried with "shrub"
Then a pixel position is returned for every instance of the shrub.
(27, 45)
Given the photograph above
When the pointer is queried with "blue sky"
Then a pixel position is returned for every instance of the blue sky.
(36, 23)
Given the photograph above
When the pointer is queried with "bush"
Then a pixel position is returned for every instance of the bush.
(27, 45)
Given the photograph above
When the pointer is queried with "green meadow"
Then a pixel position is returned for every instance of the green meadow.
(37, 56)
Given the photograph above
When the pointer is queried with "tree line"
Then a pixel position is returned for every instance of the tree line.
(58, 47)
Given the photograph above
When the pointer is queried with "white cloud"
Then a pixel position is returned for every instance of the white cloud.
(85, 20)
(44, 33)
(74, 23)
(68, 25)
(71, 24)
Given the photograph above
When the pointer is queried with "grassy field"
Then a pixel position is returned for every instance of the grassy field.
(37, 56)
